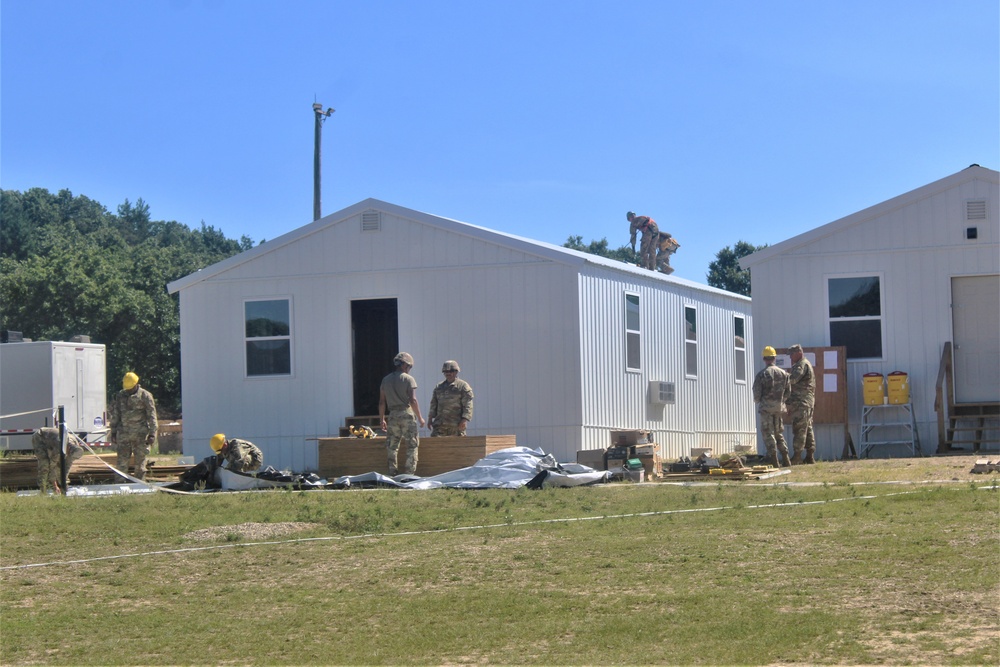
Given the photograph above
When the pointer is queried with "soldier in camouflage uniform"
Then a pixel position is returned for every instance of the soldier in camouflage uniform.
(451, 403)
(48, 446)
(238, 455)
(397, 393)
(647, 244)
(770, 391)
(133, 424)
(800, 405)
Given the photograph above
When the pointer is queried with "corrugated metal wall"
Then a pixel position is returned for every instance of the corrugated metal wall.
(714, 410)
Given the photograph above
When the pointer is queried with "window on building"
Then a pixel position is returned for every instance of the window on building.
(633, 338)
(690, 342)
(740, 347)
(856, 315)
(268, 337)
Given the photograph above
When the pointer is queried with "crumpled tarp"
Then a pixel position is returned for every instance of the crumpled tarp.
(509, 468)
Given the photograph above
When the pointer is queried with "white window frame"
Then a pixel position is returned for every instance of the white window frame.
(880, 317)
(289, 338)
(633, 335)
(690, 344)
(740, 351)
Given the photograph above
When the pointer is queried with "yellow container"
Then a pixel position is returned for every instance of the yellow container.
(874, 388)
(899, 388)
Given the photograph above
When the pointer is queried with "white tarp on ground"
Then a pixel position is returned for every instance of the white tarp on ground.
(509, 468)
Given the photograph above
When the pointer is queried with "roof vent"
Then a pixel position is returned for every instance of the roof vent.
(371, 221)
(975, 209)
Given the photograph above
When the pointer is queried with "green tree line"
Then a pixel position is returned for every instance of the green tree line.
(69, 266)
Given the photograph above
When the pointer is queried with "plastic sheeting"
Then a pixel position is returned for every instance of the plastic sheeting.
(509, 468)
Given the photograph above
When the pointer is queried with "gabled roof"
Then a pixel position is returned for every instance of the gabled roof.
(541, 249)
(971, 173)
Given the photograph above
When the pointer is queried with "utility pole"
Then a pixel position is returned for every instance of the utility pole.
(320, 117)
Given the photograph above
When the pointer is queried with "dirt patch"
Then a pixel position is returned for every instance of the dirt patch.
(250, 531)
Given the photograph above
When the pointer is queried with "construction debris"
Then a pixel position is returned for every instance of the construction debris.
(985, 466)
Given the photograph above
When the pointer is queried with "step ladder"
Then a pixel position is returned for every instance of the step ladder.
(888, 424)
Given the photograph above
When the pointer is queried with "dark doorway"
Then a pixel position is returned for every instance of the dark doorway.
(374, 325)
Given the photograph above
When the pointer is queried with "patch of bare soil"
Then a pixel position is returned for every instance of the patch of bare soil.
(250, 531)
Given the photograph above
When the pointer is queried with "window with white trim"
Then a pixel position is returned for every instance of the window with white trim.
(633, 334)
(268, 337)
(739, 348)
(855, 315)
(690, 342)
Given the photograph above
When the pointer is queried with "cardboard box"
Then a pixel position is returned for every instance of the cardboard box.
(652, 465)
(631, 438)
(615, 464)
(645, 450)
(636, 476)
(593, 458)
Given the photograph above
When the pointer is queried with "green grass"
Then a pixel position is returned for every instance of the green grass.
(907, 577)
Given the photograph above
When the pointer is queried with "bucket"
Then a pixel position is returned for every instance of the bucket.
(874, 387)
(899, 388)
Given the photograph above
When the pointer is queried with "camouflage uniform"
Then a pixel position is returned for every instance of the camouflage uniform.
(133, 427)
(666, 246)
(401, 424)
(242, 456)
(770, 391)
(48, 445)
(647, 245)
(800, 406)
(451, 402)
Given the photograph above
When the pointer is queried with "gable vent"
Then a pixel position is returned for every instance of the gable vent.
(371, 221)
(975, 210)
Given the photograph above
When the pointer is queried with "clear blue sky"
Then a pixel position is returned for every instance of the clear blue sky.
(723, 120)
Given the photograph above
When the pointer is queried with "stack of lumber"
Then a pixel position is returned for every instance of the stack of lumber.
(985, 466)
(356, 456)
(719, 474)
(21, 472)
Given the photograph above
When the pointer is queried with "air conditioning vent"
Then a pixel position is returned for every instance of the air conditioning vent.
(662, 393)
(975, 209)
(371, 221)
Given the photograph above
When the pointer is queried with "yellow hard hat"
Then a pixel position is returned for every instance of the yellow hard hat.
(130, 380)
(770, 352)
(217, 442)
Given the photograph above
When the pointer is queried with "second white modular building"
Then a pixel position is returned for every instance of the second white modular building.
(280, 344)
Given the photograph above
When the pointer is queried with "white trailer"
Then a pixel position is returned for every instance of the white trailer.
(38, 377)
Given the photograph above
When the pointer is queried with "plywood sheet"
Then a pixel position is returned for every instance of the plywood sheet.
(356, 456)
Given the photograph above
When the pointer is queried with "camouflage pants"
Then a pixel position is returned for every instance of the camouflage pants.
(647, 251)
(772, 429)
(49, 468)
(401, 428)
(446, 429)
(132, 444)
(803, 437)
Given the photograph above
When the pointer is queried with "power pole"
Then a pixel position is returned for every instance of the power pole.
(320, 117)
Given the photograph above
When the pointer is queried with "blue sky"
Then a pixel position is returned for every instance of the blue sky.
(724, 121)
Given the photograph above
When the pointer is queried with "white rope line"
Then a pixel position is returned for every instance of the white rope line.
(125, 474)
(29, 412)
(517, 524)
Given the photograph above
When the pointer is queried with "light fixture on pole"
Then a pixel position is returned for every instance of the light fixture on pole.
(320, 117)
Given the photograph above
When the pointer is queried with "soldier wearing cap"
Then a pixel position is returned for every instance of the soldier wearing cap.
(770, 391)
(451, 403)
(800, 405)
(47, 446)
(397, 393)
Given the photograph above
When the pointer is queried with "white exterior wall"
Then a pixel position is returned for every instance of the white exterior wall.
(714, 410)
(915, 243)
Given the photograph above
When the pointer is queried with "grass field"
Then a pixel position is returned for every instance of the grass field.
(859, 562)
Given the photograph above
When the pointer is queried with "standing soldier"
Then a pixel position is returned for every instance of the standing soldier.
(451, 403)
(647, 245)
(133, 424)
(800, 405)
(47, 446)
(398, 394)
(770, 391)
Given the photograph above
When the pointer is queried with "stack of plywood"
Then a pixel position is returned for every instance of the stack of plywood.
(356, 456)
(22, 472)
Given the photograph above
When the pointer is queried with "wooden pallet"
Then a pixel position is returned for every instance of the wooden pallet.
(22, 472)
(731, 474)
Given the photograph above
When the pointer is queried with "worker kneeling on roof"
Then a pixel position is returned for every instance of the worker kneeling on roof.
(236, 455)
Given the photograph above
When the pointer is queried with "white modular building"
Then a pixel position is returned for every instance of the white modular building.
(910, 285)
(282, 343)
